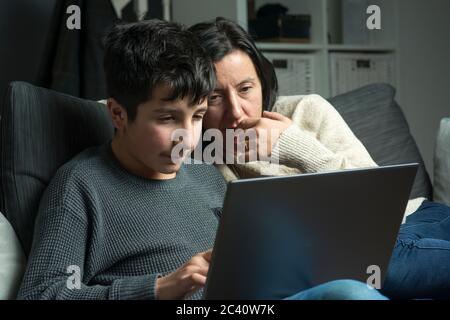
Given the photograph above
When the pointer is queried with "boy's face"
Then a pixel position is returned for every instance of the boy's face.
(146, 143)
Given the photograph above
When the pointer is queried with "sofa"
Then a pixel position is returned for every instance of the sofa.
(42, 129)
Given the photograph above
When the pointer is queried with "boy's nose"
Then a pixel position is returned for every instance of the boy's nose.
(187, 139)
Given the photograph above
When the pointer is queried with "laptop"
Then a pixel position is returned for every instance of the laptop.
(278, 236)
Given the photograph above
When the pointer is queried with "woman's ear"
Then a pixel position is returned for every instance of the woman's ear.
(118, 114)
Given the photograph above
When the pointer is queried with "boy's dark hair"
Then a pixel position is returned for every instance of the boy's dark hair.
(142, 55)
(221, 36)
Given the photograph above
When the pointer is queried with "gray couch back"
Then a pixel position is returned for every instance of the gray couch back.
(441, 190)
(377, 120)
(42, 129)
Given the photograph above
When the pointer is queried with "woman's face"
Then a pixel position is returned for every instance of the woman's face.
(238, 93)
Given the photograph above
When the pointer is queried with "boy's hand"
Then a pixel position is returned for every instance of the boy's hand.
(186, 280)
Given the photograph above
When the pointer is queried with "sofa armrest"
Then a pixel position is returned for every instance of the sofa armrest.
(442, 164)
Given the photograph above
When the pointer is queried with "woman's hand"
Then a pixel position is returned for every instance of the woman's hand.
(186, 280)
(268, 129)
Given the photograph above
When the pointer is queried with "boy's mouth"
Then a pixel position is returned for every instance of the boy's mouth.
(166, 156)
(173, 158)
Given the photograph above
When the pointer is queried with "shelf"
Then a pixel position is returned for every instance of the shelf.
(317, 47)
(289, 46)
(352, 47)
(327, 33)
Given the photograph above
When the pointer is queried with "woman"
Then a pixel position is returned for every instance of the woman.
(312, 137)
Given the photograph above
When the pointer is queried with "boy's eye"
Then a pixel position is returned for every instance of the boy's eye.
(168, 118)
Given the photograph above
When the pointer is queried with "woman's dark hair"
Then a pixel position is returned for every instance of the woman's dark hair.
(220, 37)
(139, 56)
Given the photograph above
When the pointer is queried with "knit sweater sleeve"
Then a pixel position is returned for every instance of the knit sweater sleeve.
(319, 139)
(56, 264)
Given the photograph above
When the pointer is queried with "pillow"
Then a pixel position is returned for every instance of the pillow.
(442, 164)
(12, 261)
(40, 131)
(378, 122)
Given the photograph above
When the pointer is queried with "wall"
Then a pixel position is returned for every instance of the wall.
(24, 31)
(424, 69)
(194, 11)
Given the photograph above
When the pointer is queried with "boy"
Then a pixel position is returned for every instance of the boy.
(126, 220)
(124, 214)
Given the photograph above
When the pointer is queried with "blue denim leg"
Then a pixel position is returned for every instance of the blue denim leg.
(420, 263)
(429, 212)
(339, 290)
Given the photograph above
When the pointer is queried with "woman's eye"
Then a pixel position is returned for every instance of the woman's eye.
(245, 89)
(198, 117)
(214, 99)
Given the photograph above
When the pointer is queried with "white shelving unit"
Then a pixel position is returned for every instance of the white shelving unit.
(326, 29)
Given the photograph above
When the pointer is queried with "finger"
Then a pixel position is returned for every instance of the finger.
(191, 291)
(198, 279)
(195, 279)
(248, 138)
(251, 155)
(203, 270)
(199, 261)
(248, 123)
(207, 255)
(274, 115)
(199, 265)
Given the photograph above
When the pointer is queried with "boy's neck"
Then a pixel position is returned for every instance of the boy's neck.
(133, 165)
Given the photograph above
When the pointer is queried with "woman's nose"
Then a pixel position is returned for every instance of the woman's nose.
(234, 111)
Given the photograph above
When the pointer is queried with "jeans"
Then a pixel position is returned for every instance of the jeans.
(339, 290)
(420, 262)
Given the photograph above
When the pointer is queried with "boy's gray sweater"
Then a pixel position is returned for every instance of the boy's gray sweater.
(119, 230)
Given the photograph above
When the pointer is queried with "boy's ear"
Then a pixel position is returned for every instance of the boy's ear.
(118, 113)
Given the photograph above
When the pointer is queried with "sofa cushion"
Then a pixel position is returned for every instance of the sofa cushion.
(441, 190)
(12, 261)
(377, 120)
(40, 131)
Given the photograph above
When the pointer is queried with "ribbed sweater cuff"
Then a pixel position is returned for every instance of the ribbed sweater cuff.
(298, 149)
(135, 288)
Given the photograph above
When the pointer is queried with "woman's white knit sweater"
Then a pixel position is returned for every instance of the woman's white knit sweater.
(318, 140)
